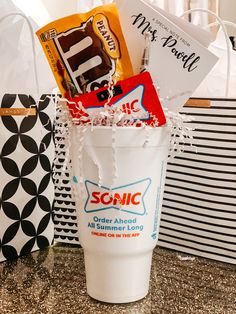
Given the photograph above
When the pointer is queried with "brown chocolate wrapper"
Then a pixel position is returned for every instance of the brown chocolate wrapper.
(86, 51)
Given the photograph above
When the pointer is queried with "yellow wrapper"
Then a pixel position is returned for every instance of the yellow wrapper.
(86, 51)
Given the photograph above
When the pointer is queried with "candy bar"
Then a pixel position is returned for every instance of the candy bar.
(86, 51)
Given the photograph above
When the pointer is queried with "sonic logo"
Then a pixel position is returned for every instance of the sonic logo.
(129, 107)
(132, 102)
(116, 199)
(129, 198)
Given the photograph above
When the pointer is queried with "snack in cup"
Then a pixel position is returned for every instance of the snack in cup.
(86, 51)
(135, 96)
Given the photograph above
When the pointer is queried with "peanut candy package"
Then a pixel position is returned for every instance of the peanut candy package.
(86, 51)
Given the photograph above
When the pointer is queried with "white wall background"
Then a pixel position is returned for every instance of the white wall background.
(44, 11)
(227, 10)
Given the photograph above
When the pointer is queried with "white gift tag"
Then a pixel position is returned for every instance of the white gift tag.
(178, 62)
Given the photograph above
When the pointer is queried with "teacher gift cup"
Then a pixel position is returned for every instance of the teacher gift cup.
(119, 175)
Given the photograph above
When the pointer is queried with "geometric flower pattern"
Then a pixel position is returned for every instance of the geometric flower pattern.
(26, 186)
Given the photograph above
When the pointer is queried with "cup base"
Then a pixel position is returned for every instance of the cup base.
(117, 279)
(115, 300)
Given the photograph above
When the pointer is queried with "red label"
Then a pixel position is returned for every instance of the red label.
(134, 95)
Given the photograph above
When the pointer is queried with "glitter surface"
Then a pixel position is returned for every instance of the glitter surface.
(53, 281)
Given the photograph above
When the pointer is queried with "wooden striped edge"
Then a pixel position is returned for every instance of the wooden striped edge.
(198, 103)
(17, 111)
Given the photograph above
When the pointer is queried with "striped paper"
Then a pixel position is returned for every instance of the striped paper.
(199, 206)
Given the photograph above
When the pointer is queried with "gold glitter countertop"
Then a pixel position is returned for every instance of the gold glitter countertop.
(53, 281)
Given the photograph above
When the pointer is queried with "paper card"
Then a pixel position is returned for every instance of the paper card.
(178, 62)
(201, 35)
(136, 96)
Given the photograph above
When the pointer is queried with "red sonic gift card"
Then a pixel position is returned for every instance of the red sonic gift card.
(136, 95)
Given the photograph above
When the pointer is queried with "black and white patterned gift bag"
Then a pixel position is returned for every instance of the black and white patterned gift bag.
(199, 206)
(26, 187)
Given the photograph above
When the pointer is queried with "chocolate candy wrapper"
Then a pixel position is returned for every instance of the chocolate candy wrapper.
(86, 51)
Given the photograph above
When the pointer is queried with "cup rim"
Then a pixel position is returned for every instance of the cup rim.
(104, 127)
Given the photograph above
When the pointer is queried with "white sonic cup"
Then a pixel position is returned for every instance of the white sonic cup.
(121, 175)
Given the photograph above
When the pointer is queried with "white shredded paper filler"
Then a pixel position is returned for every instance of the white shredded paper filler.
(113, 117)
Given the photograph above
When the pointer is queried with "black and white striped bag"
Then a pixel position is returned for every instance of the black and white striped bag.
(199, 206)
